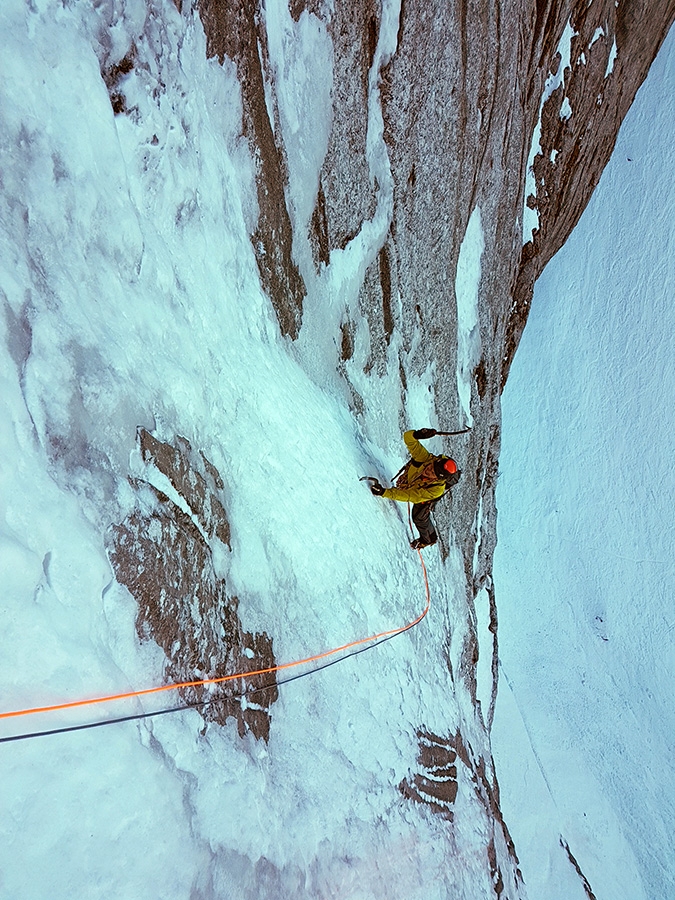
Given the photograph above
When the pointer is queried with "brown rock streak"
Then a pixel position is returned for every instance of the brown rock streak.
(233, 28)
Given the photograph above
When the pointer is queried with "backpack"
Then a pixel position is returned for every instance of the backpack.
(425, 475)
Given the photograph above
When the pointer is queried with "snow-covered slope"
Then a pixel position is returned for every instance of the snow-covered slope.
(584, 565)
(238, 257)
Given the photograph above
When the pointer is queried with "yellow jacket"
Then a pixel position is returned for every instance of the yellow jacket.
(421, 493)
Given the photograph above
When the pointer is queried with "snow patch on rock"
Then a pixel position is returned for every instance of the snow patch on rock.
(467, 282)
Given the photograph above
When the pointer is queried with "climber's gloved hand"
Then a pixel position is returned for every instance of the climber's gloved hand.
(376, 488)
(423, 433)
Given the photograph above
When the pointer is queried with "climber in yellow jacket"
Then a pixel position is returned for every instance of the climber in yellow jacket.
(423, 481)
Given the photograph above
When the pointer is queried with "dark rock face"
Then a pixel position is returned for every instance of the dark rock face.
(112, 77)
(436, 782)
(347, 198)
(611, 51)
(163, 555)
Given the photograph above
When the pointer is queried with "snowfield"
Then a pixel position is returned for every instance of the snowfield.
(584, 568)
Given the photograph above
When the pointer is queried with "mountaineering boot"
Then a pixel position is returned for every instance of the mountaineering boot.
(419, 544)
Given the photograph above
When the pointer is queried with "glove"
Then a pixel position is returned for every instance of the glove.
(423, 433)
(376, 489)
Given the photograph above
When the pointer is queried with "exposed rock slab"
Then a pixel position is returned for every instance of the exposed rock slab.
(441, 762)
(163, 554)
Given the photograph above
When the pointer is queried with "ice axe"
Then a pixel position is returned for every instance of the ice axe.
(374, 485)
(449, 433)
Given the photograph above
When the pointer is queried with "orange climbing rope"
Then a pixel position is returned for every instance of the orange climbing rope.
(237, 675)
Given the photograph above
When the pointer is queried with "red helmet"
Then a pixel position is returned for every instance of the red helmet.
(450, 466)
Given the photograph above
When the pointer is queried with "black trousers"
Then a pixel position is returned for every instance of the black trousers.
(421, 516)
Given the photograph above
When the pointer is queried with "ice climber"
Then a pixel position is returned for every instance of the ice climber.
(423, 481)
